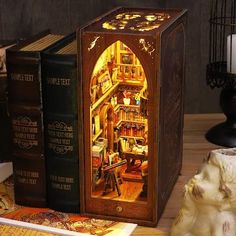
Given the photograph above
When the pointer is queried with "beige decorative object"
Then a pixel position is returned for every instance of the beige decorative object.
(209, 207)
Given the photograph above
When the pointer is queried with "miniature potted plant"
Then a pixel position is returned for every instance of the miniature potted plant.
(126, 98)
(137, 98)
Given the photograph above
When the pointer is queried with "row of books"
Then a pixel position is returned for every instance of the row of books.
(42, 101)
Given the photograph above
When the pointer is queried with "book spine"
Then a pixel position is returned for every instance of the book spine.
(61, 131)
(26, 124)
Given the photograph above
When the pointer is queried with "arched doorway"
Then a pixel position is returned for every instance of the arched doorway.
(119, 125)
(107, 125)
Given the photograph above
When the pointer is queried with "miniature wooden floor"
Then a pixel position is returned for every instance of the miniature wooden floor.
(130, 188)
(195, 149)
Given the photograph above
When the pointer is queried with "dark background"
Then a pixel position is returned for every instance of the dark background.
(19, 19)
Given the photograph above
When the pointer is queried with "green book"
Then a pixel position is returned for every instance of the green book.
(59, 72)
(23, 63)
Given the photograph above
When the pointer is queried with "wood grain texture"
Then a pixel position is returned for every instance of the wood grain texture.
(199, 98)
(195, 149)
(165, 106)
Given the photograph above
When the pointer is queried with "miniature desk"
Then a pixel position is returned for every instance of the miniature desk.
(133, 156)
(112, 179)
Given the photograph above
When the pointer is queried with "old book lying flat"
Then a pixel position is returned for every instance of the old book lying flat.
(8, 225)
(20, 220)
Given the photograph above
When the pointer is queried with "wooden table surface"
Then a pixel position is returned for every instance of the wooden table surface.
(195, 148)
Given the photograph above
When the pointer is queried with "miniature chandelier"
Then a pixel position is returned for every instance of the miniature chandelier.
(221, 70)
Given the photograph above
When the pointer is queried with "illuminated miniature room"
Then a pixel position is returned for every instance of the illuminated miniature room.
(119, 125)
(131, 86)
(139, 113)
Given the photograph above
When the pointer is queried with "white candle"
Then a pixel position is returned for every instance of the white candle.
(231, 57)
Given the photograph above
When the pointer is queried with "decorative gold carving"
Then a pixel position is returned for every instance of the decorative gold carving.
(61, 182)
(58, 81)
(150, 17)
(22, 77)
(145, 26)
(109, 26)
(27, 177)
(60, 137)
(93, 43)
(146, 46)
(25, 132)
(127, 16)
(136, 21)
(60, 126)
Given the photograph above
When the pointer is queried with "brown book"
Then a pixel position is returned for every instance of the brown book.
(23, 63)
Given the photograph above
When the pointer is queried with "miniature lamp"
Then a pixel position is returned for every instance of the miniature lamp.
(221, 70)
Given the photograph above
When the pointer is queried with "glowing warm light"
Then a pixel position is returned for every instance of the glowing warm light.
(107, 25)
(127, 16)
(136, 22)
(118, 121)
(150, 17)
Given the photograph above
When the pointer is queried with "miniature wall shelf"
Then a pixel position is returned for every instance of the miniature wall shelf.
(132, 75)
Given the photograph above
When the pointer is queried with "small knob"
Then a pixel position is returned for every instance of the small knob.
(119, 209)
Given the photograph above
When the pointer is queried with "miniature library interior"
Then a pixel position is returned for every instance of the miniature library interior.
(132, 74)
(119, 125)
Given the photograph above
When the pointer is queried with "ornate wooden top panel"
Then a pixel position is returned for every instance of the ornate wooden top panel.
(131, 20)
(136, 21)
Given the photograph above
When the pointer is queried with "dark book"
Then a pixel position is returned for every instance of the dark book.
(4, 114)
(23, 63)
(60, 124)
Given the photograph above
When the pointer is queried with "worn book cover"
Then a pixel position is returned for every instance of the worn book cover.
(23, 63)
(61, 129)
